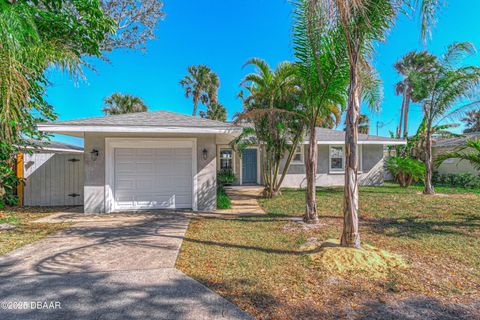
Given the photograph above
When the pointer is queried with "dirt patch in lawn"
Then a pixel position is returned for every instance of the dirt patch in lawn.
(255, 263)
(368, 260)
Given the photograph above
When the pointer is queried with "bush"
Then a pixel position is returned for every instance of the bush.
(405, 170)
(225, 177)
(8, 184)
(223, 201)
(462, 180)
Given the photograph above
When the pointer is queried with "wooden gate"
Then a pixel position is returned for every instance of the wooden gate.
(53, 179)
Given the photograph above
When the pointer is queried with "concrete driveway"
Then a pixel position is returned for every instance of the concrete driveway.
(108, 267)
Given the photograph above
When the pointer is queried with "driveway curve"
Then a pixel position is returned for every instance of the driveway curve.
(119, 266)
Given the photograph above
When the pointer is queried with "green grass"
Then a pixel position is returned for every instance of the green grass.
(223, 201)
(257, 263)
(26, 230)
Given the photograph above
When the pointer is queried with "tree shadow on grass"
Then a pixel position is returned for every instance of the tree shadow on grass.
(417, 227)
(420, 307)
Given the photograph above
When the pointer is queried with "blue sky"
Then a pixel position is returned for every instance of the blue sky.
(223, 35)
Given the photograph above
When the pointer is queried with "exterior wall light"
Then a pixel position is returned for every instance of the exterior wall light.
(94, 154)
(205, 154)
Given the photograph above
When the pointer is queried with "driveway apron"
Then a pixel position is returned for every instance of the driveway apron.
(112, 267)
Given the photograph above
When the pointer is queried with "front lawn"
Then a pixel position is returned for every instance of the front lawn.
(26, 230)
(258, 262)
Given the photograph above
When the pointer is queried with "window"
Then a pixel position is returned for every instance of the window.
(298, 155)
(336, 158)
(226, 158)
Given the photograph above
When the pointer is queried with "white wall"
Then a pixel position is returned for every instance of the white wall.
(453, 165)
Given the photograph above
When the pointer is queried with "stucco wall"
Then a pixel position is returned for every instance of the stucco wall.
(94, 189)
(453, 165)
(372, 165)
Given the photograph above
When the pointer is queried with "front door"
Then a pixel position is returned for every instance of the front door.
(249, 166)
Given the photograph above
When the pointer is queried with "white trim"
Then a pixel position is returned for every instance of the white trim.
(302, 155)
(385, 142)
(112, 143)
(258, 165)
(142, 129)
(41, 149)
(225, 147)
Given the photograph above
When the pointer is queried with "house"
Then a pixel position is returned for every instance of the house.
(330, 165)
(454, 166)
(163, 159)
(52, 173)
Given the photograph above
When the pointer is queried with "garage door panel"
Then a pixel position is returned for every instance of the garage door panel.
(123, 184)
(148, 178)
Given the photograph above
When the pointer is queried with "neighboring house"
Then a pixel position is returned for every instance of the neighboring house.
(162, 159)
(53, 174)
(454, 165)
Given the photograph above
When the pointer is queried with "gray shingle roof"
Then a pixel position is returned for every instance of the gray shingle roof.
(159, 118)
(55, 145)
(324, 134)
(455, 141)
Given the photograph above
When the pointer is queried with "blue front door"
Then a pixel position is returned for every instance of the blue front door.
(249, 166)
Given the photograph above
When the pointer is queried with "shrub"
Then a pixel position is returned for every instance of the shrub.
(223, 201)
(225, 177)
(462, 180)
(405, 170)
(8, 184)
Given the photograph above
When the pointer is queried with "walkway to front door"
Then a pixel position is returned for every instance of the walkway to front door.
(249, 166)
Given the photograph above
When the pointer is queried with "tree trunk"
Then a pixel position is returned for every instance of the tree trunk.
(195, 106)
(402, 112)
(311, 215)
(350, 234)
(407, 98)
(287, 163)
(428, 165)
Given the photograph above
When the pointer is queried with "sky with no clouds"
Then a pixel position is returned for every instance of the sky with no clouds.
(224, 34)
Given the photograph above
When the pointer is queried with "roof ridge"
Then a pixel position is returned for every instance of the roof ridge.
(141, 115)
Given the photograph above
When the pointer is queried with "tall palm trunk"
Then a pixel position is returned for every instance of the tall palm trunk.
(407, 98)
(402, 112)
(350, 234)
(428, 165)
(311, 173)
(195, 106)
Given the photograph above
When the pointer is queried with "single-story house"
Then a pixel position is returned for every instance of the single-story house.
(52, 172)
(454, 166)
(163, 159)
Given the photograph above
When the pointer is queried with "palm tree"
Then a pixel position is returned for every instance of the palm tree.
(119, 103)
(201, 83)
(470, 152)
(323, 80)
(269, 107)
(363, 124)
(215, 111)
(472, 121)
(411, 66)
(363, 22)
(417, 143)
(448, 86)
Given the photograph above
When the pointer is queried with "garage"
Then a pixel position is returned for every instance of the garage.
(151, 174)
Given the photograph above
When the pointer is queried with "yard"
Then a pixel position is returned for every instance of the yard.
(258, 262)
(25, 231)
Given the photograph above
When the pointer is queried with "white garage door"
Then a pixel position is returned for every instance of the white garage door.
(152, 178)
